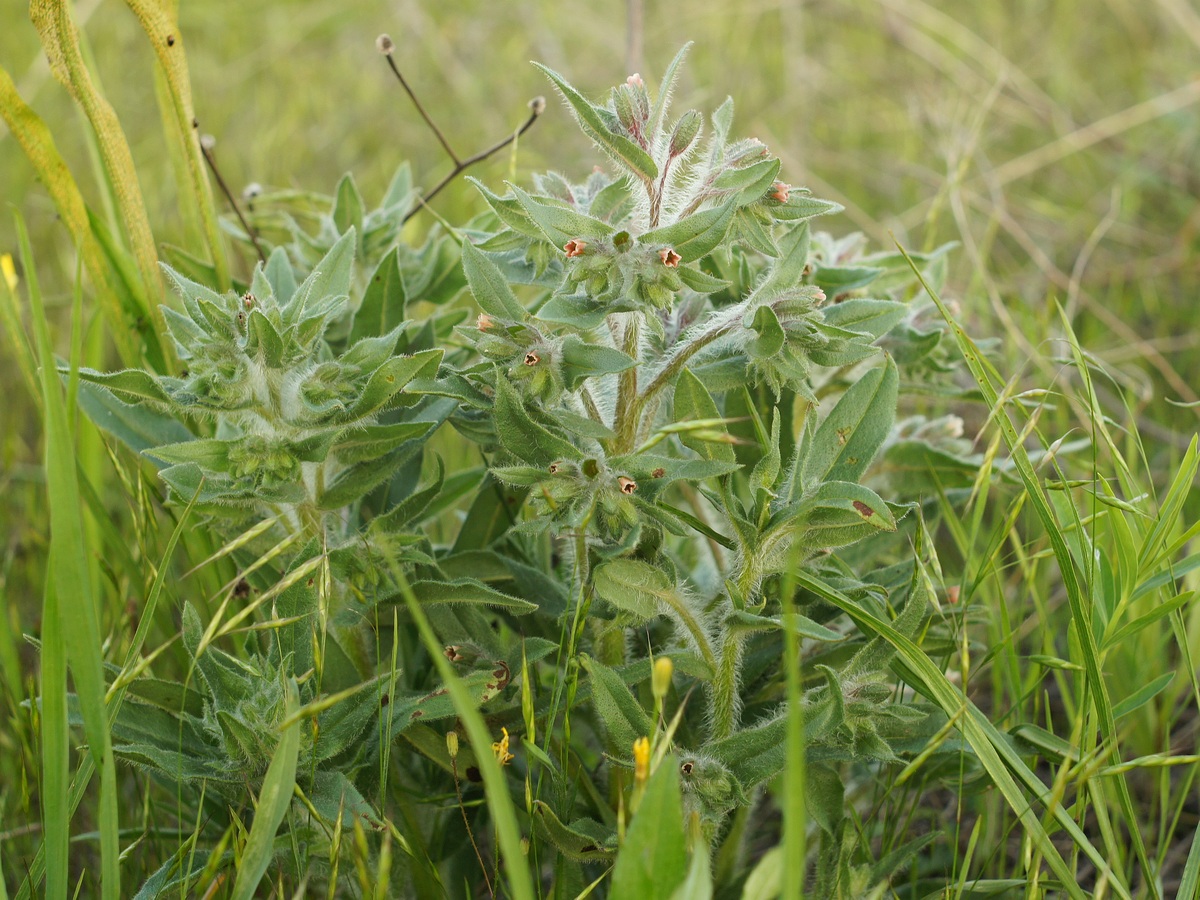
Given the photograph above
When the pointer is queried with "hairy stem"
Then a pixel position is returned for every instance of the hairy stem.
(725, 703)
(628, 407)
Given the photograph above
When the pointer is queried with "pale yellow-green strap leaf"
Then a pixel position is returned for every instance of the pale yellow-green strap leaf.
(161, 27)
(60, 40)
(35, 139)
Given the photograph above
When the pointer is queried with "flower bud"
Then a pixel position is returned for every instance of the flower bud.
(537, 105)
(660, 682)
(780, 191)
(641, 760)
(623, 103)
(635, 80)
(686, 130)
(452, 744)
(385, 45)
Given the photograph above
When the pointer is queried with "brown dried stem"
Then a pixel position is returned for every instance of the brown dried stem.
(536, 107)
(212, 165)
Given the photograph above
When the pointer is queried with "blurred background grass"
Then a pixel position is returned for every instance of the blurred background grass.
(1058, 142)
(933, 120)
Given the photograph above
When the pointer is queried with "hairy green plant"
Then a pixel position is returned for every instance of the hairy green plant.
(644, 381)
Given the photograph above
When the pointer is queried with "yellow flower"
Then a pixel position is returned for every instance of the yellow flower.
(10, 273)
(641, 760)
(500, 748)
(661, 681)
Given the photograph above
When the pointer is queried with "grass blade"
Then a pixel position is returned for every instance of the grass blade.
(35, 139)
(71, 581)
(273, 803)
(56, 747)
(499, 800)
(995, 753)
(1076, 597)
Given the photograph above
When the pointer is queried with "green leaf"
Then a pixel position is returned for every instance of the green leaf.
(836, 280)
(510, 211)
(467, 590)
(766, 878)
(489, 286)
(851, 435)
(375, 441)
(330, 278)
(263, 340)
(652, 862)
(521, 436)
(273, 802)
(646, 591)
(129, 385)
(618, 146)
(348, 208)
(794, 622)
(824, 799)
(873, 317)
(788, 267)
(771, 337)
(800, 207)
(387, 381)
(280, 275)
(208, 453)
(1142, 695)
(559, 223)
(582, 360)
(841, 512)
(582, 313)
(701, 282)
(751, 182)
(751, 230)
(584, 839)
(698, 884)
(663, 100)
(695, 236)
(622, 716)
(693, 402)
(383, 305)
(633, 586)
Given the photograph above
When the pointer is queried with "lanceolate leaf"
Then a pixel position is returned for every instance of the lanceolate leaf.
(653, 860)
(619, 147)
(521, 436)
(851, 435)
(695, 236)
(560, 224)
(489, 286)
(383, 304)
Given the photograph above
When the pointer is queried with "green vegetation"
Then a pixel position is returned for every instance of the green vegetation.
(636, 531)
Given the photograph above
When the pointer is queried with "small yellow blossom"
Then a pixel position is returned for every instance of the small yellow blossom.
(500, 748)
(10, 273)
(641, 760)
